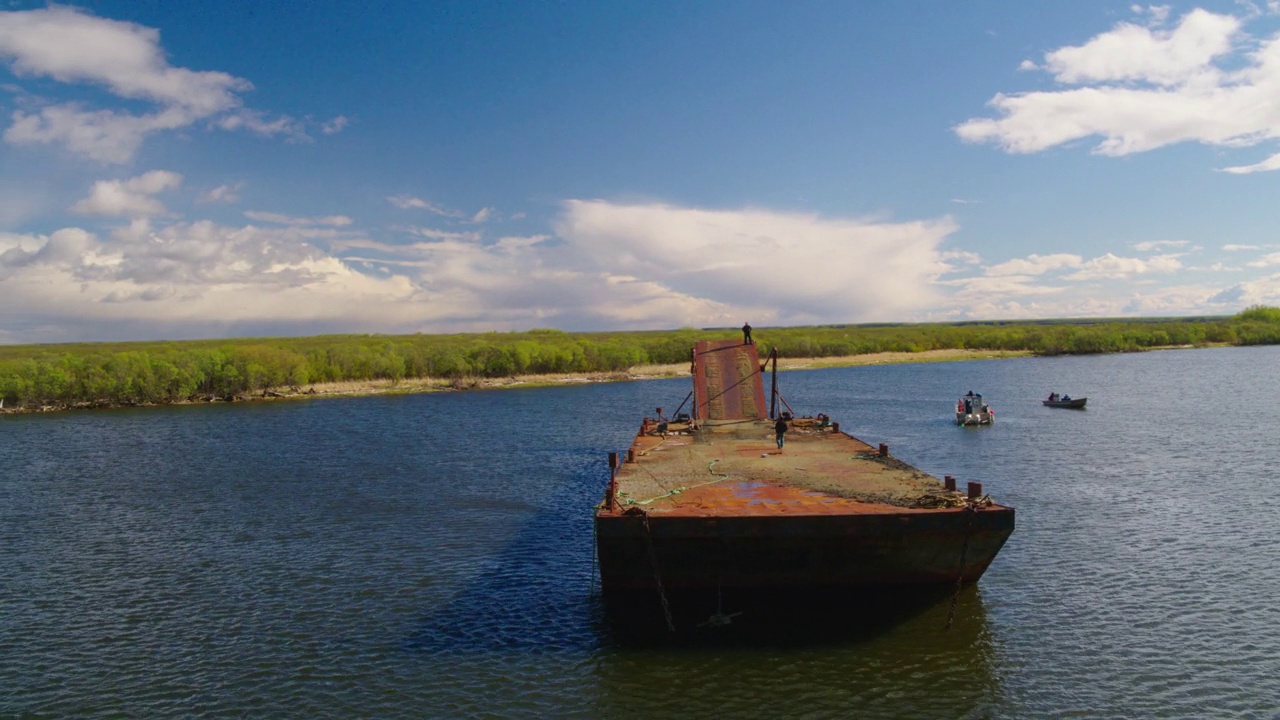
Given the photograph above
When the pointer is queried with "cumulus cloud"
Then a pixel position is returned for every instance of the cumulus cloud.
(134, 197)
(785, 267)
(125, 59)
(608, 265)
(208, 277)
(1140, 87)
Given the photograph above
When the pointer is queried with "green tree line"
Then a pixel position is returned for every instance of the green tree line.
(163, 372)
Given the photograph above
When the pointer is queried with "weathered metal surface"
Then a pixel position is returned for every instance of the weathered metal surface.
(726, 380)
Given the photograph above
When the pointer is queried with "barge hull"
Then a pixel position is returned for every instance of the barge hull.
(800, 552)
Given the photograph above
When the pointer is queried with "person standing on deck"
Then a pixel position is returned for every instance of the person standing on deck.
(780, 428)
(746, 334)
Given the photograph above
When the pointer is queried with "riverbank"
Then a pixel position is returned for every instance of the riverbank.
(639, 372)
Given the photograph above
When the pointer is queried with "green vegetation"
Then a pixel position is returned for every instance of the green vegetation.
(164, 372)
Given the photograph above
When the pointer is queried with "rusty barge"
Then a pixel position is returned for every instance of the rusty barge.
(708, 501)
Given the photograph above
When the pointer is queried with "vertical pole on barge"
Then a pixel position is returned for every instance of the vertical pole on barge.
(611, 495)
(773, 394)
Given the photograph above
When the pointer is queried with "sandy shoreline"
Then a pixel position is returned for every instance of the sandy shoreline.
(639, 372)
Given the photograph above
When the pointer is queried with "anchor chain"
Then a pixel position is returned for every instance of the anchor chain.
(657, 576)
(972, 510)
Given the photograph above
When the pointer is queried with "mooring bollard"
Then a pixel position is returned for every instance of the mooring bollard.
(950, 482)
(975, 490)
(884, 450)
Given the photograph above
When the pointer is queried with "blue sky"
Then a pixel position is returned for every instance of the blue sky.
(179, 170)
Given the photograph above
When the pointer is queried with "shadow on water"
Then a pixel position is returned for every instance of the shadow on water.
(536, 592)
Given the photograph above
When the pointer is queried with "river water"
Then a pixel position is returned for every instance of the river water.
(430, 555)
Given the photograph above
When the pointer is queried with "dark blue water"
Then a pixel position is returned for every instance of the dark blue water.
(430, 555)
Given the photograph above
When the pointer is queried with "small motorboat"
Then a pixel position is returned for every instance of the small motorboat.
(1066, 401)
(971, 410)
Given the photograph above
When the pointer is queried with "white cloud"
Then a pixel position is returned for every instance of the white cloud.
(1111, 267)
(445, 234)
(408, 202)
(335, 125)
(259, 123)
(1154, 244)
(618, 266)
(222, 194)
(482, 215)
(1141, 88)
(512, 242)
(1159, 13)
(1260, 291)
(609, 265)
(1133, 53)
(102, 135)
(979, 301)
(1271, 163)
(279, 219)
(73, 46)
(782, 267)
(129, 197)
(1035, 265)
(963, 257)
(188, 280)
(1268, 260)
(1232, 247)
(125, 59)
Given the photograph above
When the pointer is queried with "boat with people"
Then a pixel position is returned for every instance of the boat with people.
(732, 495)
(1065, 401)
(972, 410)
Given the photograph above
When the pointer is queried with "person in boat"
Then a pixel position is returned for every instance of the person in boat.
(1066, 398)
(970, 394)
(780, 429)
(1053, 397)
(746, 333)
(968, 406)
